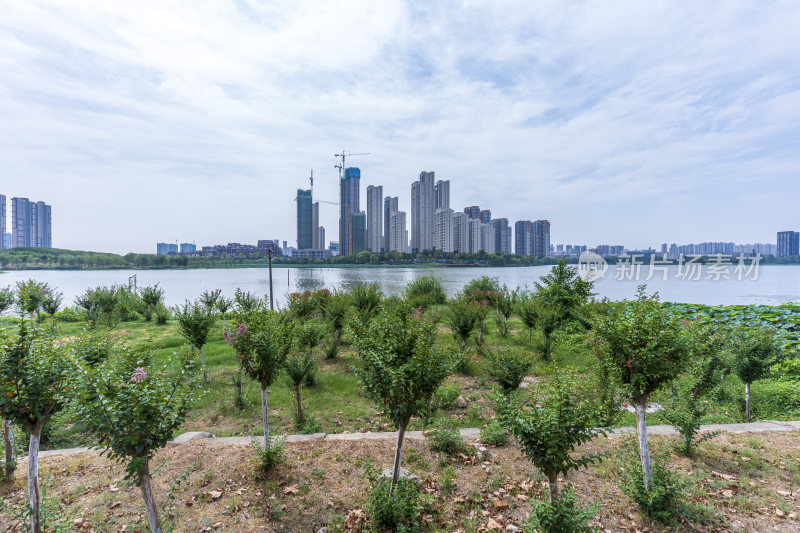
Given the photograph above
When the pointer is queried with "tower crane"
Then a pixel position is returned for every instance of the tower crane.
(343, 155)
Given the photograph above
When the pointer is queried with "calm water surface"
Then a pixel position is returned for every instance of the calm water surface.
(775, 284)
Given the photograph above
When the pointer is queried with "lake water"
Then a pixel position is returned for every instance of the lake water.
(775, 284)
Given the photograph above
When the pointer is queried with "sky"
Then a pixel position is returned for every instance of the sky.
(622, 122)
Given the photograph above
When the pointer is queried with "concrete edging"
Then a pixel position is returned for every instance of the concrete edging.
(467, 433)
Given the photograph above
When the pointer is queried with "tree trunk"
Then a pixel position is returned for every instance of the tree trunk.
(644, 450)
(33, 476)
(203, 364)
(552, 485)
(265, 417)
(747, 401)
(149, 502)
(401, 433)
(8, 442)
(299, 405)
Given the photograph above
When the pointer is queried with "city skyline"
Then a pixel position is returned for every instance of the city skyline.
(614, 120)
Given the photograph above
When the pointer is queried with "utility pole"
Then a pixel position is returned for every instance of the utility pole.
(269, 254)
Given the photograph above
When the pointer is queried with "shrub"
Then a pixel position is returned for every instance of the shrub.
(209, 299)
(462, 320)
(94, 346)
(302, 305)
(424, 292)
(162, 314)
(447, 441)
(659, 499)
(563, 516)
(366, 299)
(393, 506)
(494, 434)
(298, 367)
(69, 314)
(51, 302)
(508, 367)
(446, 396)
(271, 456)
(30, 296)
(335, 313)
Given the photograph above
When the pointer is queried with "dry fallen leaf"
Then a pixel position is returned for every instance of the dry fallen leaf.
(291, 490)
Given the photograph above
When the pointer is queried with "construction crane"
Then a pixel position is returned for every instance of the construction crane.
(343, 155)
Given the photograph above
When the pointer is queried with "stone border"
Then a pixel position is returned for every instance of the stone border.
(467, 433)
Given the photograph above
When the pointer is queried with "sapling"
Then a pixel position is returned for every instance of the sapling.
(550, 423)
(645, 345)
(32, 385)
(195, 323)
(753, 353)
(223, 306)
(335, 313)
(508, 367)
(133, 408)
(298, 366)
(262, 341)
(401, 366)
(30, 296)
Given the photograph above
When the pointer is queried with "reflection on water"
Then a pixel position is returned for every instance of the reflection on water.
(776, 284)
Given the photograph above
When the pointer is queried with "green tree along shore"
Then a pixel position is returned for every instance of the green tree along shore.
(54, 258)
(363, 356)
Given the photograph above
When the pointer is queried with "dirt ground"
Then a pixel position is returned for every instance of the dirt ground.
(747, 482)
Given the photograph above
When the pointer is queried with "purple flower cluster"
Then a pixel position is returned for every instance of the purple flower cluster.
(231, 339)
(140, 374)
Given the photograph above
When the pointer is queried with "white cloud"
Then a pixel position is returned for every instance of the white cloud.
(151, 121)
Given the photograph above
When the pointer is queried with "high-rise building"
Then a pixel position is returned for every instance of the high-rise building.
(374, 218)
(487, 238)
(523, 237)
(7, 240)
(31, 223)
(473, 211)
(304, 220)
(333, 246)
(422, 212)
(349, 198)
(2, 221)
(398, 234)
(187, 247)
(443, 230)
(460, 233)
(389, 207)
(358, 232)
(321, 237)
(165, 248)
(473, 235)
(502, 236)
(541, 238)
(442, 193)
(486, 216)
(316, 244)
(788, 243)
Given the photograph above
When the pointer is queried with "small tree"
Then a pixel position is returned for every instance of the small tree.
(6, 301)
(298, 366)
(51, 302)
(545, 316)
(32, 383)
(555, 419)
(461, 318)
(223, 306)
(30, 296)
(401, 366)
(195, 324)
(335, 313)
(642, 341)
(106, 300)
(209, 299)
(686, 408)
(133, 408)
(504, 303)
(262, 341)
(754, 352)
(508, 367)
(151, 297)
(366, 300)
